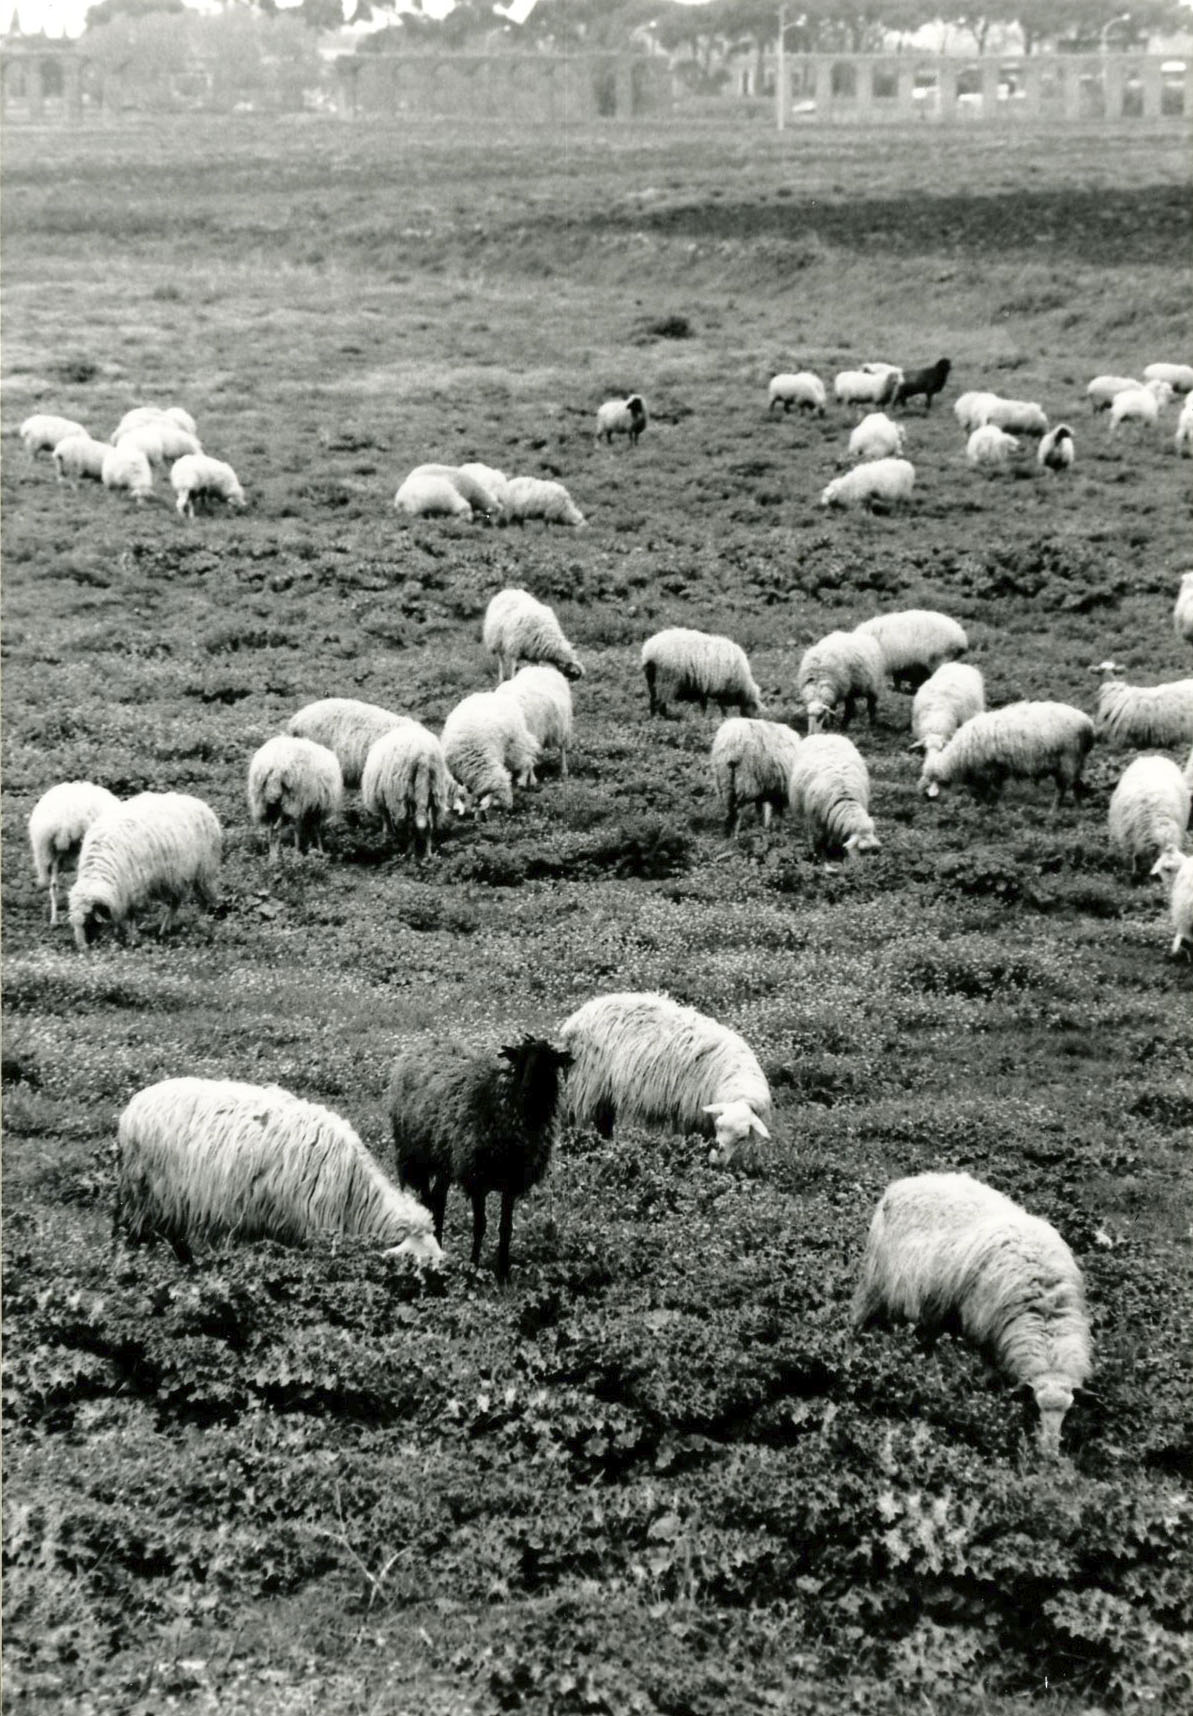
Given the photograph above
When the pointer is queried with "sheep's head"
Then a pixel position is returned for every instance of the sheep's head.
(636, 408)
(819, 712)
(862, 843)
(571, 669)
(1109, 668)
(733, 1122)
(459, 799)
(1054, 1396)
(87, 916)
(1167, 864)
(830, 495)
(235, 496)
(536, 1067)
(419, 1248)
(930, 774)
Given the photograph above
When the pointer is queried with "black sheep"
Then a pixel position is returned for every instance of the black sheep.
(928, 381)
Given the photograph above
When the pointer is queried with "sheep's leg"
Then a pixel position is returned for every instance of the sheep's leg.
(183, 1252)
(504, 1235)
(731, 817)
(53, 891)
(275, 843)
(478, 1226)
(872, 709)
(651, 673)
(768, 810)
(436, 1202)
(563, 762)
(603, 1117)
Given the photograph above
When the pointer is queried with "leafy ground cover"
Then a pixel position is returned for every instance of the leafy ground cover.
(656, 1474)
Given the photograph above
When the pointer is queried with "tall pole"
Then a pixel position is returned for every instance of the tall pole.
(781, 73)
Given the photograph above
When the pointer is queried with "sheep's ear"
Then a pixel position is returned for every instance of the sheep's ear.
(916, 745)
(716, 1109)
(757, 1126)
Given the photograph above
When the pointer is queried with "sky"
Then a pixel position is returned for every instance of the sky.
(65, 17)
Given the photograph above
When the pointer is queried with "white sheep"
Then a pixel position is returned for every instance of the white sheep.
(869, 386)
(1139, 715)
(199, 477)
(801, 388)
(1104, 389)
(157, 847)
(1182, 438)
(646, 1059)
(489, 477)
(207, 1160)
(879, 484)
(431, 495)
(517, 627)
(1023, 741)
(545, 699)
(536, 497)
(294, 783)
(686, 666)
(953, 694)
(1175, 870)
(1017, 416)
(830, 787)
(1182, 612)
(751, 763)
(347, 727)
(488, 747)
(153, 414)
(1057, 449)
(406, 783)
(126, 467)
(79, 456)
(482, 498)
(946, 1246)
(836, 673)
(971, 409)
(162, 441)
(1149, 810)
(57, 824)
(990, 445)
(914, 642)
(43, 431)
(877, 436)
(1139, 405)
(1179, 376)
(621, 417)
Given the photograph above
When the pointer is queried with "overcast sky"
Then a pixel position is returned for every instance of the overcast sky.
(65, 17)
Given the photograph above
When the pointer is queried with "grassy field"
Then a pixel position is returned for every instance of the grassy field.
(656, 1474)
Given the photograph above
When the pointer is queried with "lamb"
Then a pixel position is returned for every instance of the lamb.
(1182, 439)
(836, 673)
(875, 437)
(971, 408)
(751, 764)
(621, 417)
(517, 627)
(686, 666)
(1179, 376)
(1139, 404)
(802, 388)
(126, 467)
(1175, 870)
(294, 783)
(406, 783)
(141, 414)
(43, 431)
(879, 484)
(947, 1247)
(1140, 715)
(866, 386)
(950, 697)
(1149, 810)
(545, 699)
(347, 727)
(207, 1160)
(158, 846)
(198, 477)
(646, 1059)
(914, 642)
(79, 456)
(1104, 389)
(431, 495)
(990, 445)
(1182, 612)
(928, 381)
(57, 824)
(485, 1123)
(1023, 741)
(1017, 416)
(161, 440)
(487, 746)
(535, 497)
(1056, 449)
(830, 785)
(480, 496)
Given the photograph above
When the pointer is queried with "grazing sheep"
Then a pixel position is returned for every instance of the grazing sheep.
(406, 783)
(1182, 612)
(803, 389)
(1175, 870)
(1017, 416)
(518, 627)
(929, 381)
(751, 764)
(866, 387)
(1140, 715)
(489, 477)
(621, 417)
(830, 786)
(153, 414)
(198, 477)
(879, 484)
(645, 1059)
(158, 846)
(990, 445)
(1182, 439)
(545, 699)
(347, 727)
(835, 673)
(57, 824)
(1149, 810)
(943, 702)
(485, 1123)
(294, 783)
(971, 408)
(431, 495)
(535, 497)
(1139, 405)
(947, 1248)
(1179, 376)
(487, 746)
(161, 440)
(126, 467)
(876, 437)
(207, 1160)
(42, 432)
(79, 456)
(685, 666)
(1023, 741)
(481, 497)
(1104, 389)
(1056, 449)
(914, 642)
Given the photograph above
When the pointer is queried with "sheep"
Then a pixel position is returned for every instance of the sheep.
(1023, 741)
(486, 742)
(480, 496)
(830, 786)
(836, 673)
(431, 495)
(545, 699)
(1182, 438)
(928, 381)
(42, 432)
(1144, 714)
(1182, 612)
(141, 414)
(158, 846)
(162, 440)
(914, 642)
(953, 693)
(207, 1160)
(534, 497)
(1103, 390)
(1056, 450)
(517, 627)
(294, 783)
(1175, 870)
(990, 445)
(971, 408)
(126, 467)
(485, 1123)
(1017, 416)
(947, 1247)
(57, 824)
(686, 666)
(621, 417)
(751, 763)
(802, 388)
(1139, 405)
(489, 477)
(347, 727)
(1149, 810)
(1179, 376)
(865, 387)
(879, 484)
(646, 1059)
(406, 783)
(79, 456)
(198, 477)
(875, 437)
